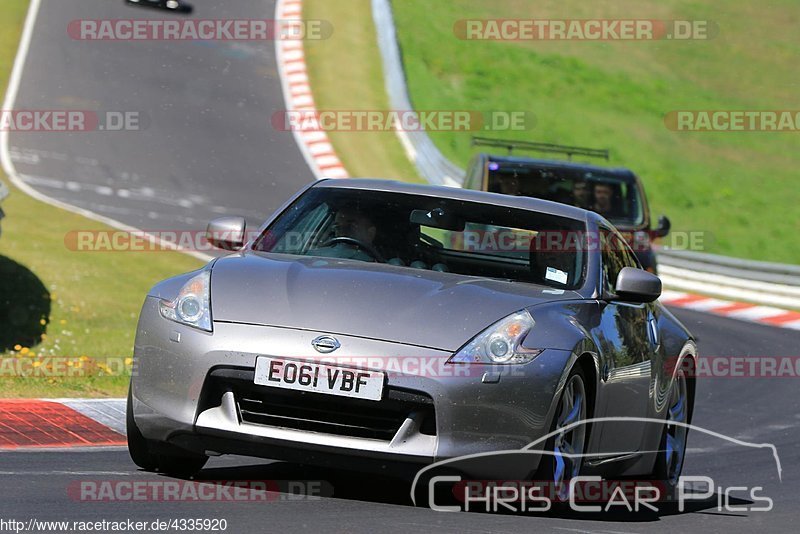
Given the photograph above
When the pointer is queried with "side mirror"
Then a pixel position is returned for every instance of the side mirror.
(226, 233)
(636, 285)
(663, 227)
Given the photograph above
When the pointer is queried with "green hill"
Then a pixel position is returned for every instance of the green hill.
(738, 187)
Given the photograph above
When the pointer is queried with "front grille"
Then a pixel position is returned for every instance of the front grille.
(314, 412)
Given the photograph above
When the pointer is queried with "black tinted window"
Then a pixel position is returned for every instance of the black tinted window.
(612, 197)
(431, 233)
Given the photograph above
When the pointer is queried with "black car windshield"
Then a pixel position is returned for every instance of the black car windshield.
(613, 197)
(431, 233)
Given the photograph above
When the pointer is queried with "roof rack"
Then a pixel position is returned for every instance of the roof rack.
(541, 147)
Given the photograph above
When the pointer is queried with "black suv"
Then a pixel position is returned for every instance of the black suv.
(615, 193)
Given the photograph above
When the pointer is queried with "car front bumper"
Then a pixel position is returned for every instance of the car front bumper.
(189, 388)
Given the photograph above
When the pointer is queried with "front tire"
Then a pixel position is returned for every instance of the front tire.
(178, 463)
(564, 451)
(672, 450)
(181, 466)
(137, 444)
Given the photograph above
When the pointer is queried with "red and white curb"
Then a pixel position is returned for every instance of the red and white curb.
(767, 315)
(314, 143)
(61, 423)
(108, 412)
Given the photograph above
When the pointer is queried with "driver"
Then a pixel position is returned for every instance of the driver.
(354, 234)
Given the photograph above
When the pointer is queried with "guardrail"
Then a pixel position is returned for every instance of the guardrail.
(729, 278)
(430, 162)
(763, 271)
(773, 284)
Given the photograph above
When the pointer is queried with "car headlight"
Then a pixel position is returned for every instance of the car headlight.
(501, 343)
(192, 305)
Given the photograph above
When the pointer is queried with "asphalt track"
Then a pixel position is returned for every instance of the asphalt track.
(205, 146)
(208, 148)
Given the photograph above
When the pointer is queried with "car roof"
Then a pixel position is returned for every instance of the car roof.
(617, 172)
(469, 195)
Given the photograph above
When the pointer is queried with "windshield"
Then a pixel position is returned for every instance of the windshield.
(614, 198)
(428, 233)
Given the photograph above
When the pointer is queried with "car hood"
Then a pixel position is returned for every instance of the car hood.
(376, 301)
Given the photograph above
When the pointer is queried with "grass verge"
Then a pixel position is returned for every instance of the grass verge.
(736, 187)
(346, 73)
(67, 318)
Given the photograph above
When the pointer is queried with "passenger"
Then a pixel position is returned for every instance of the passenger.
(509, 185)
(603, 199)
(581, 196)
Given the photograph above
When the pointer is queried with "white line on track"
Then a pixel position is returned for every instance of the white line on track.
(5, 157)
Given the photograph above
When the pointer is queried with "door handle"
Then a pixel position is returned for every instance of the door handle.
(652, 330)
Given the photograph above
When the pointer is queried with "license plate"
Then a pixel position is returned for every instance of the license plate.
(319, 378)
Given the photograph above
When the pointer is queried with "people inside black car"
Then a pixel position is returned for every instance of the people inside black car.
(603, 199)
(581, 195)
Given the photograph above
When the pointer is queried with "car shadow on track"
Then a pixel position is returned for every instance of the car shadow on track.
(24, 306)
(389, 490)
(334, 483)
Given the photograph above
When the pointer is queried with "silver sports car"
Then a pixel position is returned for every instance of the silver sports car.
(377, 325)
